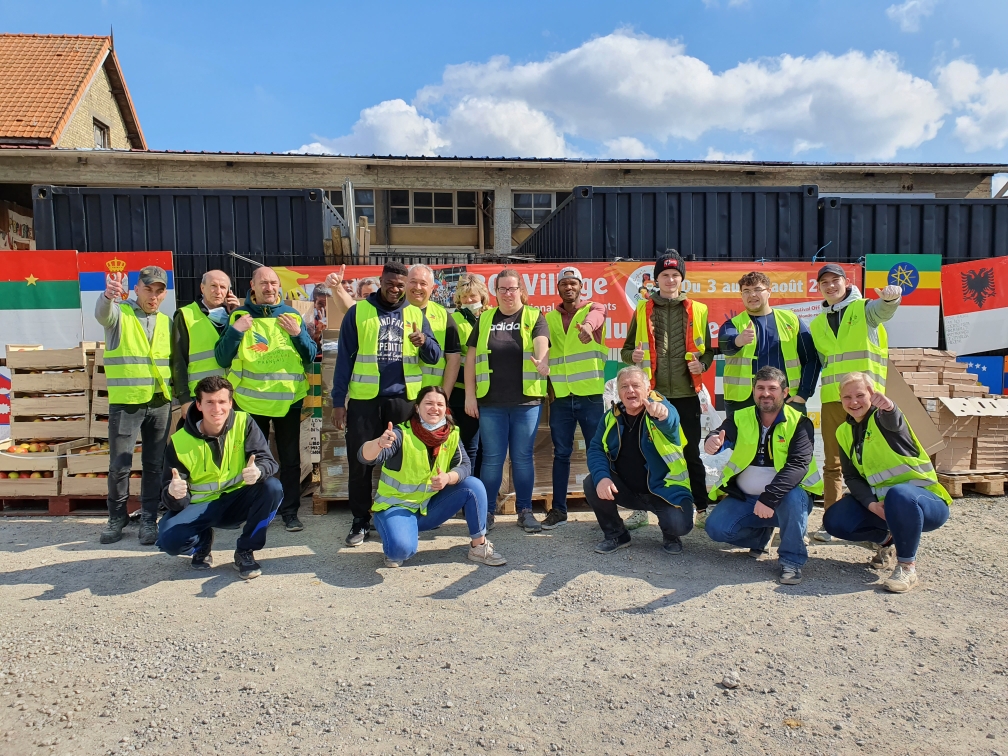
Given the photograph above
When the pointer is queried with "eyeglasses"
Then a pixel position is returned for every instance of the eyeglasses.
(508, 289)
(752, 292)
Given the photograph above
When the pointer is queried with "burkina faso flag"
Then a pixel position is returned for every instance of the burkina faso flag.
(40, 299)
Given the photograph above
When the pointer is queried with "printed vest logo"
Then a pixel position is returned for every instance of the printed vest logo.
(261, 343)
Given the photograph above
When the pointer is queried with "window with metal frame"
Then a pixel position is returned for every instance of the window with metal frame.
(531, 208)
(102, 138)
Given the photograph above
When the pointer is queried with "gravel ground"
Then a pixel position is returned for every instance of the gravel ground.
(116, 649)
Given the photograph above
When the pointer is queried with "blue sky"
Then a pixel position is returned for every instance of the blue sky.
(911, 80)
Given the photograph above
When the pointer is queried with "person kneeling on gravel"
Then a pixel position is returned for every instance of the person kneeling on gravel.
(635, 460)
(425, 479)
(218, 473)
(770, 477)
(894, 490)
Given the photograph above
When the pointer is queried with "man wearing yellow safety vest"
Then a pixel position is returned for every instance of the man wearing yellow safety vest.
(762, 336)
(849, 337)
(137, 352)
(195, 331)
(577, 380)
(670, 340)
(770, 478)
(382, 342)
(420, 285)
(635, 460)
(265, 350)
(218, 473)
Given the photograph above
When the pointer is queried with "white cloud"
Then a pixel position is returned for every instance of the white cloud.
(486, 126)
(738, 157)
(908, 14)
(629, 148)
(985, 100)
(388, 128)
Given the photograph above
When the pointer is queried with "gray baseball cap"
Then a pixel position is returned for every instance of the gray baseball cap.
(152, 274)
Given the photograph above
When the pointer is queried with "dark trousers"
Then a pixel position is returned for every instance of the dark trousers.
(565, 415)
(469, 432)
(126, 422)
(287, 433)
(673, 521)
(689, 424)
(366, 420)
(255, 505)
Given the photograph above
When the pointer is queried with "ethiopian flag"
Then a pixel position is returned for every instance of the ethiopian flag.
(915, 323)
(40, 299)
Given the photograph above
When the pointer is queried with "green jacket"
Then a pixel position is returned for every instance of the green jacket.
(672, 378)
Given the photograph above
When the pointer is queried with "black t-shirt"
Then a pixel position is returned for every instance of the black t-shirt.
(505, 345)
(630, 465)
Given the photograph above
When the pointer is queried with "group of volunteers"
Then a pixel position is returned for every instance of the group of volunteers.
(436, 400)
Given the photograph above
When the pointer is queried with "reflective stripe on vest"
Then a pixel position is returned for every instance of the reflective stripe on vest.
(130, 367)
(739, 369)
(883, 468)
(747, 442)
(409, 486)
(464, 331)
(575, 368)
(677, 473)
(203, 338)
(849, 350)
(267, 372)
(696, 313)
(533, 384)
(364, 378)
(437, 316)
(207, 481)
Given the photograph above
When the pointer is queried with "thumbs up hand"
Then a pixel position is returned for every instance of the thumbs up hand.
(335, 279)
(638, 354)
(251, 473)
(889, 293)
(439, 480)
(747, 336)
(713, 444)
(386, 439)
(178, 488)
(695, 366)
(416, 337)
(114, 288)
(542, 364)
(657, 410)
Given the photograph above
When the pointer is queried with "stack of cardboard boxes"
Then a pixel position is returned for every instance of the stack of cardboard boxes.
(933, 373)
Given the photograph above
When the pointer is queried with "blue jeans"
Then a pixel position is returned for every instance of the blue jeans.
(909, 511)
(399, 527)
(733, 521)
(255, 505)
(504, 429)
(564, 416)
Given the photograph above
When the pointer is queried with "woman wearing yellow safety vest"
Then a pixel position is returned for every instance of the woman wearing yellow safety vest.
(425, 479)
(471, 297)
(505, 385)
(894, 491)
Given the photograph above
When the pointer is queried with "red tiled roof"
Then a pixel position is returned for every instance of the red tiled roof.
(45, 77)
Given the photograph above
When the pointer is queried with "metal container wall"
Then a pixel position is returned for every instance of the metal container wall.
(200, 227)
(956, 229)
(707, 223)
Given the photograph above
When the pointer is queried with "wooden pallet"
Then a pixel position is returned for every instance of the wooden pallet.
(986, 483)
(321, 504)
(49, 393)
(575, 500)
(55, 506)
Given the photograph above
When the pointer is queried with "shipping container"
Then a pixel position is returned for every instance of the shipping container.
(956, 229)
(702, 223)
(201, 227)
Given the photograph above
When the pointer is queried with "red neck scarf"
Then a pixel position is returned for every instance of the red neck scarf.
(431, 439)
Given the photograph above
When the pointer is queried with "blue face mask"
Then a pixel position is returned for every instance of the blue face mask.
(427, 426)
(218, 316)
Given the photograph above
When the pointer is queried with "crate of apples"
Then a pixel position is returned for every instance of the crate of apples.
(27, 475)
(33, 447)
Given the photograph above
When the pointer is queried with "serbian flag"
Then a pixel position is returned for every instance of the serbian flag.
(975, 305)
(915, 323)
(39, 299)
(93, 268)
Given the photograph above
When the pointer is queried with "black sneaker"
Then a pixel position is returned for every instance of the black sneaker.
(672, 545)
(491, 521)
(609, 545)
(113, 530)
(358, 532)
(246, 565)
(202, 559)
(554, 519)
(148, 532)
(528, 522)
(293, 525)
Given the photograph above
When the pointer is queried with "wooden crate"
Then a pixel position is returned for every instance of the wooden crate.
(97, 462)
(74, 358)
(98, 427)
(50, 383)
(51, 461)
(56, 405)
(80, 486)
(50, 430)
(29, 487)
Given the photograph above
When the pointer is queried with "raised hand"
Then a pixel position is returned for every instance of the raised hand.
(695, 366)
(251, 473)
(416, 337)
(231, 302)
(748, 336)
(386, 439)
(242, 324)
(178, 488)
(606, 489)
(889, 293)
(882, 402)
(638, 354)
(713, 444)
(289, 323)
(335, 279)
(439, 480)
(541, 365)
(657, 410)
(115, 286)
(585, 334)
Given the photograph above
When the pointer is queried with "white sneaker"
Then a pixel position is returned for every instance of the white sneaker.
(637, 520)
(484, 554)
(822, 536)
(901, 580)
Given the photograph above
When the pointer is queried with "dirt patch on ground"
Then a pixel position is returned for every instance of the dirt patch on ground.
(117, 649)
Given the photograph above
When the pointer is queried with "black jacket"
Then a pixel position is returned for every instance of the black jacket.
(255, 443)
(894, 430)
(795, 466)
(180, 353)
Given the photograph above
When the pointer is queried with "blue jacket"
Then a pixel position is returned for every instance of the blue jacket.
(768, 350)
(601, 465)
